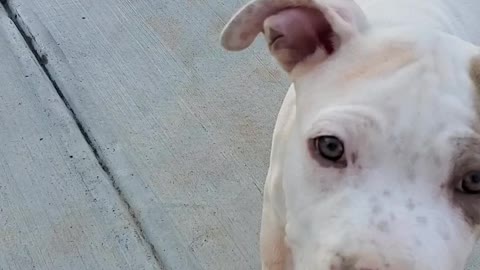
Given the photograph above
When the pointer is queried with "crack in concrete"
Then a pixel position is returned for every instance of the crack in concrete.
(42, 60)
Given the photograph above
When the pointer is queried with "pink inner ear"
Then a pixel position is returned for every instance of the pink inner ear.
(300, 31)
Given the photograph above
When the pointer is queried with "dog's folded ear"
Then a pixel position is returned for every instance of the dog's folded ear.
(294, 29)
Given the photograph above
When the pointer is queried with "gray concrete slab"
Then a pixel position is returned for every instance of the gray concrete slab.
(183, 126)
(58, 209)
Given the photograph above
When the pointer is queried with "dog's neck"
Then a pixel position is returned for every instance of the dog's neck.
(456, 17)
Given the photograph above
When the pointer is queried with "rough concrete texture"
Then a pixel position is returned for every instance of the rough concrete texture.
(183, 126)
(57, 206)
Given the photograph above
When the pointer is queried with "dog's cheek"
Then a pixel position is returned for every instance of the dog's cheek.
(469, 206)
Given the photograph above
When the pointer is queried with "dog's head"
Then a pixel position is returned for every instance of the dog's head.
(382, 168)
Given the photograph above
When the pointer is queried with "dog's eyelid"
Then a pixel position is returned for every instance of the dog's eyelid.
(466, 152)
(326, 128)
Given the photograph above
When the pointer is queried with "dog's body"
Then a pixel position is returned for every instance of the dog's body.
(397, 81)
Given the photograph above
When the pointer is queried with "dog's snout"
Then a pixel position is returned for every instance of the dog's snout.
(344, 266)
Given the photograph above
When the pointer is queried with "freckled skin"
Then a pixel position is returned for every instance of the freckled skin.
(422, 220)
(376, 209)
(410, 205)
(383, 226)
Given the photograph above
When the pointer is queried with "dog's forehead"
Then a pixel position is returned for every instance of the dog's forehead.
(418, 86)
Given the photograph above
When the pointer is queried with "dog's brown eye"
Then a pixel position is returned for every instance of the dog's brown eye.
(471, 183)
(329, 147)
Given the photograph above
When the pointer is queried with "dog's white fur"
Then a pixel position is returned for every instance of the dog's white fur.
(400, 95)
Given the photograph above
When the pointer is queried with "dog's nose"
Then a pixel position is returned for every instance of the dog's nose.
(366, 262)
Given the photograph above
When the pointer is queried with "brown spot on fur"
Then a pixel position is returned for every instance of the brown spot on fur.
(466, 160)
(475, 76)
(393, 56)
(475, 71)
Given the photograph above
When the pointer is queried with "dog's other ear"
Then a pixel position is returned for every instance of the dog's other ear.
(295, 29)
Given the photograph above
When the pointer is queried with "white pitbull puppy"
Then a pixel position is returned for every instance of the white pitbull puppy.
(375, 159)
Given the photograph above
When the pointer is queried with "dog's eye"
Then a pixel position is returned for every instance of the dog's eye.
(471, 183)
(329, 147)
